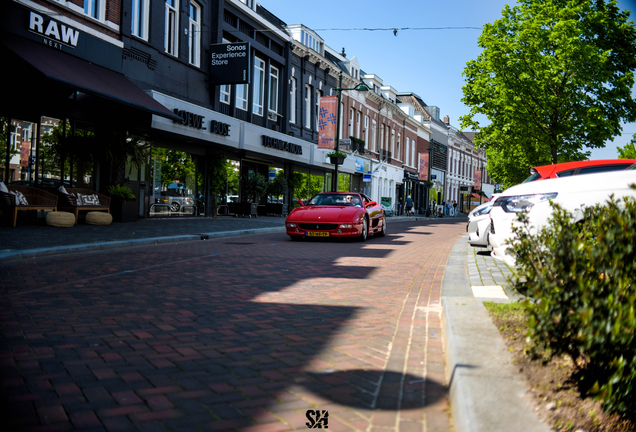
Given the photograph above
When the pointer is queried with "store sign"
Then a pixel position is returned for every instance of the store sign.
(196, 121)
(230, 63)
(189, 119)
(55, 34)
(282, 145)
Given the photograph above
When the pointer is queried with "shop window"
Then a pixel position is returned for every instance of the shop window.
(174, 181)
(139, 24)
(194, 34)
(273, 89)
(259, 86)
(171, 38)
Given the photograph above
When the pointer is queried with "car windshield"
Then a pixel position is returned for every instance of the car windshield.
(335, 200)
(534, 176)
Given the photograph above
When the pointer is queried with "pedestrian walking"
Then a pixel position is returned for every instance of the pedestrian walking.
(447, 208)
(455, 208)
(409, 205)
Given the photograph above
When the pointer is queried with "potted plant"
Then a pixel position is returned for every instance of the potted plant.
(123, 203)
(275, 189)
(336, 157)
(253, 186)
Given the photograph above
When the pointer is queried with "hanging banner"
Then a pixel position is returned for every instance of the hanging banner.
(25, 152)
(423, 167)
(477, 180)
(327, 122)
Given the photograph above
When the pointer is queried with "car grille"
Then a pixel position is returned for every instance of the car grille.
(319, 227)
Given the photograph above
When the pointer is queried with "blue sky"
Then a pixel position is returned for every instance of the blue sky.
(427, 62)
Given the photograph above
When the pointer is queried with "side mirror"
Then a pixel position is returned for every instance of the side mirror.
(300, 202)
(371, 203)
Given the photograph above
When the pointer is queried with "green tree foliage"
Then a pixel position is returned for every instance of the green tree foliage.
(578, 281)
(175, 165)
(629, 151)
(4, 127)
(554, 77)
(278, 186)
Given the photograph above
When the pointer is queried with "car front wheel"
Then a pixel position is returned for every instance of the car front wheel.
(383, 232)
(175, 206)
(365, 230)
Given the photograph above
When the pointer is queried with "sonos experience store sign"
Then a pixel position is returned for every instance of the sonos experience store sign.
(230, 63)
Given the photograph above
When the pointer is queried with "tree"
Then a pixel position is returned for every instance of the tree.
(554, 76)
(629, 151)
(4, 127)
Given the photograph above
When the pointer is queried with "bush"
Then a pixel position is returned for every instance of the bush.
(579, 284)
(121, 193)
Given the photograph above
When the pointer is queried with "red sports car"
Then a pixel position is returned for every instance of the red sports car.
(337, 214)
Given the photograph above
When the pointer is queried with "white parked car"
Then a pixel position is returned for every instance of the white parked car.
(479, 224)
(571, 193)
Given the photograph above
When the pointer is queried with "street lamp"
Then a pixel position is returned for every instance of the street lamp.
(339, 89)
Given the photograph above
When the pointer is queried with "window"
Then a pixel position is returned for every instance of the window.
(407, 149)
(225, 93)
(292, 101)
(194, 35)
(398, 155)
(139, 25)
(358, 124)
(307, 106)
(317, 115)
(172, 24)
(94, 9)
(241, 96)
(273, 89)
(351, 117)
(366, 130)
(393, 144)
(259, 86)
(373, 135)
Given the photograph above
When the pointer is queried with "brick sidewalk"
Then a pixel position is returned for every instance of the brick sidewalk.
(242, 333)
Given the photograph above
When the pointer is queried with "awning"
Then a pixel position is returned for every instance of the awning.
(85, 77)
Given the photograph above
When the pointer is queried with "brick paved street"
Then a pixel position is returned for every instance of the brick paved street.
(243, 333)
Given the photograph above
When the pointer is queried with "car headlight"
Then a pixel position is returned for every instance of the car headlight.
(520, 203)
(291, 225)
(345, 226)
(482, 211)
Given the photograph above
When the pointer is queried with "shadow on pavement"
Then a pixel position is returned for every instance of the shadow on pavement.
(194, 335)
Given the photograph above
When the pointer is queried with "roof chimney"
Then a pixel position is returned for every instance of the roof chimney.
(343, 53)
(446, 120)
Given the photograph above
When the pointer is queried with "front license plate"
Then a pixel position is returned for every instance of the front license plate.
(317, 234)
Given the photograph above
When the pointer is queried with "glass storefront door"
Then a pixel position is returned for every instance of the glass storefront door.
(174, 184)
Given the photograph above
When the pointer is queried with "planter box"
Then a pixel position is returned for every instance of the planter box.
(276, 209)
(337, 160)
(126, 212)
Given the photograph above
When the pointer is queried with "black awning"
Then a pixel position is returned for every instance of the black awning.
(85, 77)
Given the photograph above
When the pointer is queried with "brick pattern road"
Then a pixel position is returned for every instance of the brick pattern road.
(241, 333)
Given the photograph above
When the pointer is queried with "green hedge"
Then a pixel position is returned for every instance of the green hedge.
(580, 286)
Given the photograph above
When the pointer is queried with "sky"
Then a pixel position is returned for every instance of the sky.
(434, 41)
